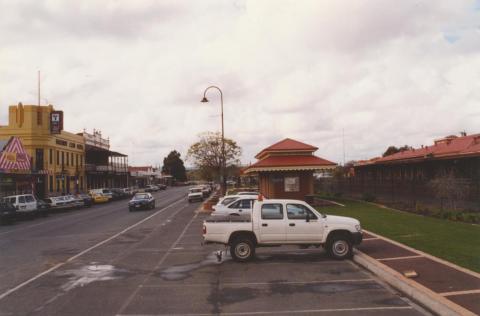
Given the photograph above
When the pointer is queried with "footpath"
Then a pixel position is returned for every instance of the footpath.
(441, 286)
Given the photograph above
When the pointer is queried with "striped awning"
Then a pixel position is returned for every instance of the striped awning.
(14, 156)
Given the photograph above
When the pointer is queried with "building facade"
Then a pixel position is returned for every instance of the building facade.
(285, 169)
(57, 156)
(104, 168)
(15, 168)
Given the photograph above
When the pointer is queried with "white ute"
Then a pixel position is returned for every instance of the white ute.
(283, 222)
(195, 194)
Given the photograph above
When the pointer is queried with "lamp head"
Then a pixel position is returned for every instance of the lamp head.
(204, 100)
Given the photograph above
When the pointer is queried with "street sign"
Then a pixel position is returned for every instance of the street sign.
(56, 122)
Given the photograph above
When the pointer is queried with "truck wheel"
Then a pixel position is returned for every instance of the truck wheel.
(242, 250)
(340, 247)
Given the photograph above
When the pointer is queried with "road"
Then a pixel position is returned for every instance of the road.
(108, 261)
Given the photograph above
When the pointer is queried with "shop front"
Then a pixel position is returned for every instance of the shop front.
(15, 168)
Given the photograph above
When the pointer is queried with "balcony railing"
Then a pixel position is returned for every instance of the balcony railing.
(115, 168)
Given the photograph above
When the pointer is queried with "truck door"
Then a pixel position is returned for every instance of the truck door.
(31, 203)
(303, 224)
(272, 224)
(22, 205)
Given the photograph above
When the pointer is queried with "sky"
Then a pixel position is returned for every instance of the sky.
(349, 77)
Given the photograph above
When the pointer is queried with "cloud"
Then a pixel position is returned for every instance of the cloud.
(381, 74)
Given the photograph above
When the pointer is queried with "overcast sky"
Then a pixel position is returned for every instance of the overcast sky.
(385, 72)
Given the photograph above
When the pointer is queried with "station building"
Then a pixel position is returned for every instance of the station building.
(285, 169)
(57, 156)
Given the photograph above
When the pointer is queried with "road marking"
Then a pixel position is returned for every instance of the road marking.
(426, 255)
(304, 311)
(400, 258)
(55, 267)
(460, 292)
(263, 283)
(132, 296)
(370, 238)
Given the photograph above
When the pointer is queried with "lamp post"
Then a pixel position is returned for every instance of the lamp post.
(223, 180)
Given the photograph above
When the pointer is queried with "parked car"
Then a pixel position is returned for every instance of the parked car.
(195, 194)
(141, 201)
(8, 212)
(162, 186)
(105, 192)
(24, 203)
(240, 206)
(99, 198)
(278, 222)
(151, 188)
(87, 199)
(56, 202)
(43, 208)
(73, 201)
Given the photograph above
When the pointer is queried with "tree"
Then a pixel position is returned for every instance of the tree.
(393, 150)
(173, 165)
(206, 154)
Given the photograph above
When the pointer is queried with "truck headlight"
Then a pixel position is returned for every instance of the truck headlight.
(358, 228)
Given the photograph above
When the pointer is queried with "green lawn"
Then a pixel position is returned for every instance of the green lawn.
(452, 241)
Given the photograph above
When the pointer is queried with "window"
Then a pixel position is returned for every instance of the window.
(272, 211)
(63, 158)
(50, 156)
(58, 157)
(245, 204)
(68, 158)
(76, 160)
(13, 200)
(292, 184)
(299, 211)
(71, 158)
(21, 199)
(50, 183)
(29, 199)
(228, 201)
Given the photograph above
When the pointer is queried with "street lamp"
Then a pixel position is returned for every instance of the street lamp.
(223, 180)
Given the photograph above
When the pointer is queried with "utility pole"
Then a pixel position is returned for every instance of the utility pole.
(343, 142)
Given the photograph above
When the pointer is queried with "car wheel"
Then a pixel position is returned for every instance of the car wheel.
(340, 247)
(242, 249)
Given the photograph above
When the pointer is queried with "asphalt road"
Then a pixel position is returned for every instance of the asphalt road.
(107, 261)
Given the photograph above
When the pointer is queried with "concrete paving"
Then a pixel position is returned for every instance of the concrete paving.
(108, 261)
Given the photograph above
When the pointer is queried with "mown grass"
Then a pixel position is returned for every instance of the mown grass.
(452, 241)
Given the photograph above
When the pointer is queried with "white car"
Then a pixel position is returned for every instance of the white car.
(281, 222)
(24, 203)
(227, 199)
(240, 206)
(195, 194)
(57, 201)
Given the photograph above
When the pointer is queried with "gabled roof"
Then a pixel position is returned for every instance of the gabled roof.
(287, 144)
(290, 162)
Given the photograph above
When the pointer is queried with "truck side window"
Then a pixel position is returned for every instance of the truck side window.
(298, 211)
(272, 211)
(29, 199)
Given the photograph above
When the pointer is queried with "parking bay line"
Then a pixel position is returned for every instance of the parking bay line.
(288, 312)
(55, 267)
(263, 283)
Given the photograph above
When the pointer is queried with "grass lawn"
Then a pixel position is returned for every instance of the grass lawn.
(452, 241)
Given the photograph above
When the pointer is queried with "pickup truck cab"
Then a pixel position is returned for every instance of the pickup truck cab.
(283, 222)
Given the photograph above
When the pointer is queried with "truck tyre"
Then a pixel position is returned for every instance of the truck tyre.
(242, 249)
(339, 247)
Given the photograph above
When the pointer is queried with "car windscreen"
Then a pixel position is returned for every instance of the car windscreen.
(227, 201)
(141, 197)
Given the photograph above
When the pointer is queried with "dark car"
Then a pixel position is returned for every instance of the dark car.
(162, 186)
(87, 199)
(7, 212)
(43, 208)
(141, 201)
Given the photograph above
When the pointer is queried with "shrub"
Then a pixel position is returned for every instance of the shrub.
(368, 197)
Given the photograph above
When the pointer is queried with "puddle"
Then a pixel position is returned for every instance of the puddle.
(182, 272)
(91, 273)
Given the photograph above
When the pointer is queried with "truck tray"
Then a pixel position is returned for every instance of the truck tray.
(229, 218)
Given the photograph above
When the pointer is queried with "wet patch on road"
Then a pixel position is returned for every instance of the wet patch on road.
(93, 272)
(182, 272)
(277, 287)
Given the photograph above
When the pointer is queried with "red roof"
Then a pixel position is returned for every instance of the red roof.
(291, 161)
(287, 144)
(450, 146)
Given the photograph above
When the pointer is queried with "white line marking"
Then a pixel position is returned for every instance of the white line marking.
(400, 258)
(304, 311)
(261, 283)
(55, 267)
(426, 255)
(460, 292)
(132, 296)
